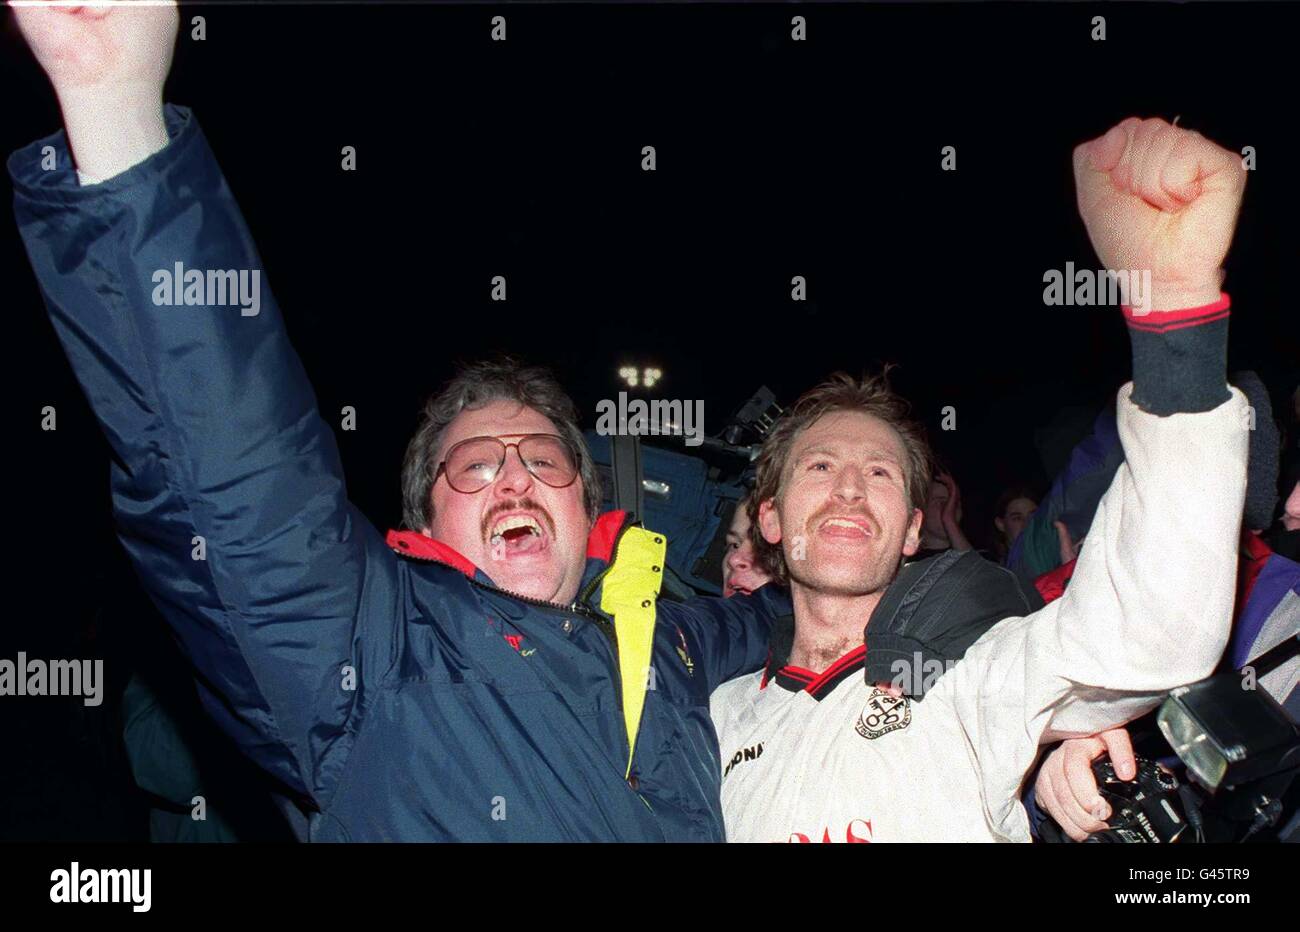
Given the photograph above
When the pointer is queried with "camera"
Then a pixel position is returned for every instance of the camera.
(1147, 809)
(1241, 752)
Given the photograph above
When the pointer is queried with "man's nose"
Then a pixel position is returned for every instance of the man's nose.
(850, 485)
(513, 478)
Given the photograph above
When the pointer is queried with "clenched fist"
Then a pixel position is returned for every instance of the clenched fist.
(108, 65)
(1158, 198)
(108, 46)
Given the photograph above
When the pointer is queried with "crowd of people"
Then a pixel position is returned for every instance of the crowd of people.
(503, 668)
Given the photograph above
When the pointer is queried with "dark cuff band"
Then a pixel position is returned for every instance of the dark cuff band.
(1180, 358)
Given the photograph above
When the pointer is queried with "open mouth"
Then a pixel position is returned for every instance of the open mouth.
(850, 527)
(742, 582)
(517, 534)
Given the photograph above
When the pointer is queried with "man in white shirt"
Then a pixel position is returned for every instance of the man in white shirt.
(816, 753)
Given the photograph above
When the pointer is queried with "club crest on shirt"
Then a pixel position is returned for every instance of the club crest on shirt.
(882, 714)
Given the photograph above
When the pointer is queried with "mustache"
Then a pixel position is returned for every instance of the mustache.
(519, 504)
(829, 511)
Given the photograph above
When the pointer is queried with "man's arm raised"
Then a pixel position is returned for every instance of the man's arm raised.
(1150, 604)
(108, 66)
(227, 485)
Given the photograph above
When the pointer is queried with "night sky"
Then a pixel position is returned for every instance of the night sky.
(775, 159)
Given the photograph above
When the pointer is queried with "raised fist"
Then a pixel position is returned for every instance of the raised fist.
(1162, 199)
(109, 47)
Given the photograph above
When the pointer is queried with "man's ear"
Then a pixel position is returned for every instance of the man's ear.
(769, 522)
(912, 539)
(432, 512)
(1000, 524)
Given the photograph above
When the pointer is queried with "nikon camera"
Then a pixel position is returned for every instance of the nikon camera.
(1146, 810)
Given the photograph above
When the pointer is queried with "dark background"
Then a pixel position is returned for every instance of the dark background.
(522, 159)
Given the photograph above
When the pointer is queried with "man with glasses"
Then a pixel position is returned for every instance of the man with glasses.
(501, 670)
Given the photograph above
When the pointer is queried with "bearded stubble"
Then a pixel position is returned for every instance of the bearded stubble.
(876, 577)
(877, 570)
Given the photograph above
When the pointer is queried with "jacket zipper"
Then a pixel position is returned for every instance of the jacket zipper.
(575, 608)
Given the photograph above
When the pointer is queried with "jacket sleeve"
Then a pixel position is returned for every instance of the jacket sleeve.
(227, 485)
(1149, 608)
(732, 635)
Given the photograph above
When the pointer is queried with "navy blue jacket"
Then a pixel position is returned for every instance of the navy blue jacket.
(396, 693)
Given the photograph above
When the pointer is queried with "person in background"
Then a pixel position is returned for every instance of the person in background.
(1284, 536)
(1289, 522)
(1267, 612)
(942, 528)
(199, 789)
(741, 572)
(1012, 513)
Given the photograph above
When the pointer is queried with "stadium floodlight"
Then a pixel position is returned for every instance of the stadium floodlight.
(635, 377)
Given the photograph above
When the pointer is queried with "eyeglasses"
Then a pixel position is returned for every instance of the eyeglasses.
(471, 465)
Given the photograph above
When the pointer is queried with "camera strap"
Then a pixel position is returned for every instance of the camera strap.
(1275, 656)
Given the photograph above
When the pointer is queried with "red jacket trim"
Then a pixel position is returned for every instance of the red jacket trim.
(600, 544)
(1256, 554)
(604, 534)
(415, 544)
(1051, 585)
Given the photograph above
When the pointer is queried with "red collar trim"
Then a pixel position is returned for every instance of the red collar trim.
(600, 544)
(798, 673)
(817, 684)
(604, 534)
(422, 547)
